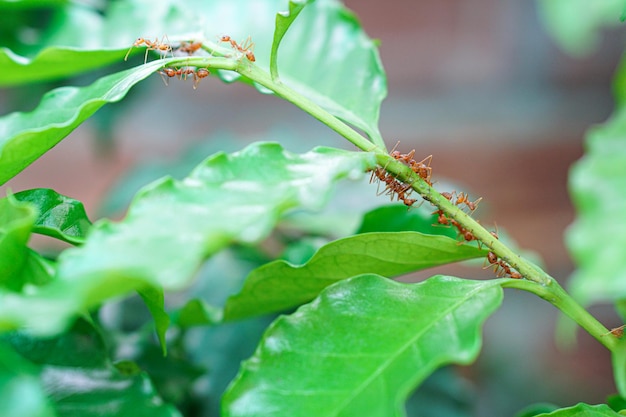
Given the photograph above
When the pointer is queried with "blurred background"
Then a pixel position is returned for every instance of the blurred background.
(479, 84)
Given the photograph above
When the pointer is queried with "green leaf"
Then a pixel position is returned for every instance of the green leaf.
(618, 359)
(536, 409)
(53, 63)
(16, 222)
(283, 21)
(396, 218)
(597, 238)
(279, 285)
(582, 410)
(21, 391)
(81, 381)
(327, 57)
(24, 137)
(196, 312)
(155, 301)
(361, 347)
(173, 226)
(6, 4)
(576, 25)
(36, 269)
(58, 216)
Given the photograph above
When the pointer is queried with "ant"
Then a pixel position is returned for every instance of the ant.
(161, 46)
(246, 48)
(190, 48)
(421, 168)
(462, 199)
(393, 186)
(182, 74)
(617, 331)
(502, 269)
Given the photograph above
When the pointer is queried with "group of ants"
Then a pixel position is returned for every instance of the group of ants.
(163, 47)
(402, 191)
(393, 186)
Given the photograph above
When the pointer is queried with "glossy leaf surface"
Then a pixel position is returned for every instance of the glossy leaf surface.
(279, 285)
(57, 215)
(24, 137)
(173, 226)
(361, 347)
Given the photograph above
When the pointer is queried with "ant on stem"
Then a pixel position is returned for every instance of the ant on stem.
(245, 48)
(157, 45)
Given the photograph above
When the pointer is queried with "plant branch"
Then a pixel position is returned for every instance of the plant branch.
(535, 279)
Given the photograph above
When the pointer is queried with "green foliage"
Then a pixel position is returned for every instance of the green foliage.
(377, 338)
(583, 410)
(226, 199)
(279, 285)
(358, 343)
(596, 239)
(576, 24)
(24, 137)
(78, 359)
(58, 216)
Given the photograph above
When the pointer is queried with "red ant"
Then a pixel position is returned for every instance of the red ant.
(617, 331)
(190, 48)
(393, 186)
(420, 168)
(246, 48)
(182, 74)
(151, 46)
(462, 199)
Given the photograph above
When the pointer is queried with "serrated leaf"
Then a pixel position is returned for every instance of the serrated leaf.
(16, 222)
(597, 238)
(280, 285)
(361, 347)
(81, 381)
(173, 226)
(583, 410)
(58, 216)
(24, 137)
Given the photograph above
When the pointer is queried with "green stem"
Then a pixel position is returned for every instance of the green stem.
(558, 297)
(536, 280)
